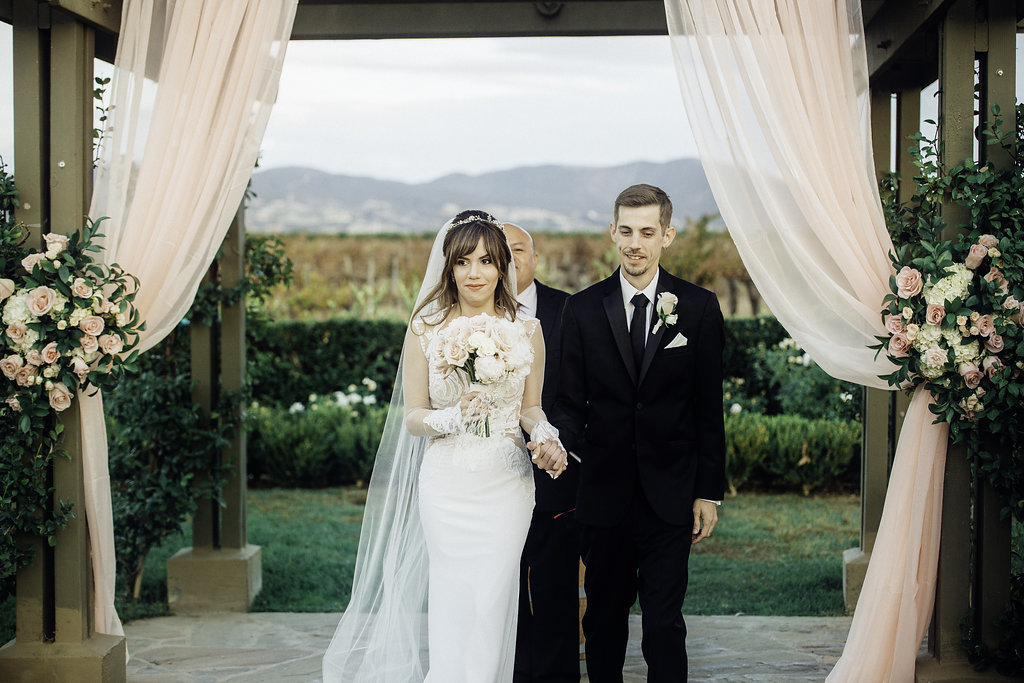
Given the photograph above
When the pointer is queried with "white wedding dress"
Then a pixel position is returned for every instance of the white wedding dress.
(475, 500)
(448, 523)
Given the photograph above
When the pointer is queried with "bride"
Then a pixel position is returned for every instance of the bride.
(435, 589)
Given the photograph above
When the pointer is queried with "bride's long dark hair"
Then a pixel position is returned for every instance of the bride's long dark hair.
(468, 228)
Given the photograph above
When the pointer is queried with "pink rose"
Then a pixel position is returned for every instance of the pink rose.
(111, 344)
(899, 345)
(55, 242)
(6, 288)
(991, 365)
(26, 377)
(33, 357)
(80, 368)
(1010, 304)
(60, 397)
(986, 325)
(92, 324)
(934, 314)
(994, 343)
(975, 256)
(11, 365)
(994, 274)
(894, 323)
(81, 289)
(13, 403)
(40, 300)
(30, 261)
(16, 332)
(50, 353)
(908, 282)
(89, 343)
(971, 374)
(988, 241)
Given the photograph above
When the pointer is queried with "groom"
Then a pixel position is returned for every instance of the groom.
(640, 403)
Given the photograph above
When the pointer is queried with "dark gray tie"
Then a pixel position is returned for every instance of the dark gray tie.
(636, 328)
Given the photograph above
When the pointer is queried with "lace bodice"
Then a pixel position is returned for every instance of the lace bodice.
(505, 398)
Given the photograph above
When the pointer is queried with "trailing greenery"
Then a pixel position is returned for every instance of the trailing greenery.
(973, 368)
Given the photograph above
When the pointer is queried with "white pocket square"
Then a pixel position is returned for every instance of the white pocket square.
(680, 340)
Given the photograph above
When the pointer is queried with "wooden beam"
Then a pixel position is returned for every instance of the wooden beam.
(351, 20)
(894, 36)
(104, 15)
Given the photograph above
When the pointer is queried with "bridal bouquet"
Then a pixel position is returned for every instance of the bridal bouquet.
(955, 322)
(488, 349)
(68, 321)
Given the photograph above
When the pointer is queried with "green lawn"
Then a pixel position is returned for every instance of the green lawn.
(770, 554)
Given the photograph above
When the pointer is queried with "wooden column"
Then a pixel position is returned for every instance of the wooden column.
(53, 162)
(956, 127)
(221, 571)
(997, 80)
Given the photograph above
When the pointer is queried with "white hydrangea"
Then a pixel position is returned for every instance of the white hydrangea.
(16, 310)
(953, 286)
(953, 337)
(927, 336)
(78, 315)
(966, 353)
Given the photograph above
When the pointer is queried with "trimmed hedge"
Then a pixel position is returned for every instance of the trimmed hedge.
(290, 360)
(791, 452)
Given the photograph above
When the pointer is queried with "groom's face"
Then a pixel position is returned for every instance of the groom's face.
(639, 239)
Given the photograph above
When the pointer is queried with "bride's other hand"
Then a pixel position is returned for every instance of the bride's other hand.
(549, 456)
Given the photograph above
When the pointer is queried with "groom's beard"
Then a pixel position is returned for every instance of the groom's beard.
(635, 268)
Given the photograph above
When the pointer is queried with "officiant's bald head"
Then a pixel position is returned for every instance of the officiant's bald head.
(524, 254)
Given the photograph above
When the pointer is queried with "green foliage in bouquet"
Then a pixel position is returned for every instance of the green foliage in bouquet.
(955, 324)
(69, 324)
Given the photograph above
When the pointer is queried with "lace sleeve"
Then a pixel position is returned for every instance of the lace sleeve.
(420, 418)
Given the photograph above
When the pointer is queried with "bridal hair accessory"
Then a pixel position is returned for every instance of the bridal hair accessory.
(482, 217)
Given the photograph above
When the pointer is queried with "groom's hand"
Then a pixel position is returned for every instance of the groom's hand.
(705, 516)
(549, 456)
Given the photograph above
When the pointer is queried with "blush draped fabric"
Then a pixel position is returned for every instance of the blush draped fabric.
(193, 87)
(776, 92)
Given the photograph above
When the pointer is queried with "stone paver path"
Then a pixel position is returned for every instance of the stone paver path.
(271, 647)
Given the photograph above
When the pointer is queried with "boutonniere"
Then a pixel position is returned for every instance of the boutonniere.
(666, 310)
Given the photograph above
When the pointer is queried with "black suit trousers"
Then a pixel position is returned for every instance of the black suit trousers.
(547, 642)
(646, 556)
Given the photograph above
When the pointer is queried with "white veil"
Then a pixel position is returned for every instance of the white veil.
(382, 636)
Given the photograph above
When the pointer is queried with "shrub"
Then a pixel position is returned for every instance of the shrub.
(291, 360)
(788, 451)
(331, 441)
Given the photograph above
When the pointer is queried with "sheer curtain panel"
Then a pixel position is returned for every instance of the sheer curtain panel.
(776, 92)
(193, 86)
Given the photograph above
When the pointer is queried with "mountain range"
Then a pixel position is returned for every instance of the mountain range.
(540, 198)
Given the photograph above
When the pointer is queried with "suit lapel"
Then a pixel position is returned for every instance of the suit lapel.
(616, 313)
(655, 338)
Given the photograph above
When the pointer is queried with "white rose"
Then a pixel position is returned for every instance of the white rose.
(60, 397)
(111, 344)
(6, 288)
(11, 365)
(81, 288)
(55, 242)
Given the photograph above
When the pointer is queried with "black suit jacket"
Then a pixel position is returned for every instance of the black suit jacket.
(658, 428)
(553, 495)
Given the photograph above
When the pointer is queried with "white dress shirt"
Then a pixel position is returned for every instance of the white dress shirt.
(528, 300)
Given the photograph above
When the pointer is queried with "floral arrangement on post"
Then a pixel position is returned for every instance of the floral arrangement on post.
(68, 324)
(955, 324)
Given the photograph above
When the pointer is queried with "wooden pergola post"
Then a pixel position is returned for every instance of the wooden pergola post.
(221, 571)
(53, 56)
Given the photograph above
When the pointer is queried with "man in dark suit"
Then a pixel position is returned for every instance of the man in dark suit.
(547, 641)
(640, 403)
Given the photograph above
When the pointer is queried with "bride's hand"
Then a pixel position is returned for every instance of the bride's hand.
(549, 456)
(474, 407)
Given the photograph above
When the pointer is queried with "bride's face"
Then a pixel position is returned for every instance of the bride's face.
(476, 277)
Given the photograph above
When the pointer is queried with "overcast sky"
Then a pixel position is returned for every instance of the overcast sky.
(415, 110)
